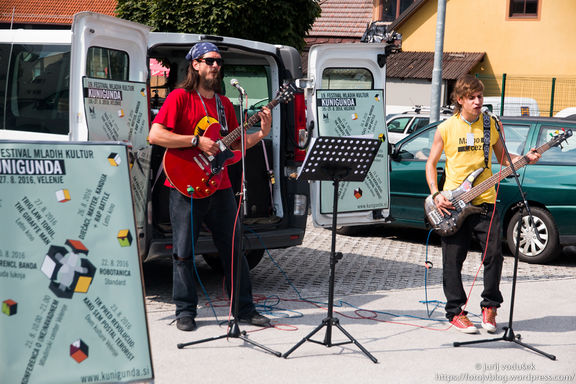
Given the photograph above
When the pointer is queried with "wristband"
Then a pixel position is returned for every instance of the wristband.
(435, 194)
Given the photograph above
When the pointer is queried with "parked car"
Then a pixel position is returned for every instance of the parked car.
(549, 186)
(403, 124)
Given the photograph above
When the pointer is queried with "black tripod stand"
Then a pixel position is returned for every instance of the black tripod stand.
(336, 159)
(509, 334)
(233, 326)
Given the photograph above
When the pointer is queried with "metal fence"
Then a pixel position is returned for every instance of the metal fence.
(519, 95)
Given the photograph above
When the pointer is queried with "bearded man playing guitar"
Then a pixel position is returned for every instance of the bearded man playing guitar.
(468, 139)
(176, 127)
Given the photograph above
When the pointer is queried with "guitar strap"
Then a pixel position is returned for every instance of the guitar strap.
(221, 113)
(486, 146)
(221, 116)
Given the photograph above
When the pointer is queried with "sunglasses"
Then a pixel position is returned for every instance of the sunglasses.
(211, 60)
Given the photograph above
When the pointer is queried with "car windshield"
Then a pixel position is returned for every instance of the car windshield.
(418, 146)
(515, 138)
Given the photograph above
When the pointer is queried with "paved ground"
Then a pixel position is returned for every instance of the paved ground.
(387, 300)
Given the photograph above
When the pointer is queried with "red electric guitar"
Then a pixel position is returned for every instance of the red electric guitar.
(188, 168)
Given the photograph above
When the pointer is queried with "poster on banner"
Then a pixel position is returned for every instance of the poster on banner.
(354, 113)
(71, 286)
(118, 111)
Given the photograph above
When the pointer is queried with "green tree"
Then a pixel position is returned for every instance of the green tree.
(272, 21)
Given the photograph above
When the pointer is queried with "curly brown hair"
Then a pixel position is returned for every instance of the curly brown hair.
(465, 86)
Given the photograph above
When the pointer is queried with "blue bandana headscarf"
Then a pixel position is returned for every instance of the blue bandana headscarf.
(200, 49)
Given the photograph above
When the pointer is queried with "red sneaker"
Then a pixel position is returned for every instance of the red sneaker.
(463, 324)
(489, 319)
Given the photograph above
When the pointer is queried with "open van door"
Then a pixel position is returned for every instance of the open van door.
(109, 96)
(105, 48)
(345, 93)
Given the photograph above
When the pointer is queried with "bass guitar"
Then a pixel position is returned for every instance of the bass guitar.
(189, 169)
(448, 224)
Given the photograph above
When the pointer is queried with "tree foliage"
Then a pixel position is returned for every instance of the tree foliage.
(272, 21)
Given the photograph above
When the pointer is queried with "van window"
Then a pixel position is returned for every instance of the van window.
(347, 78)
(106, 63)
(34, 87)
(255, 79)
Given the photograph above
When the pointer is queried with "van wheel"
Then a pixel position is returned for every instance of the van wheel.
(533, 249)
(346, 230)
(253, 257)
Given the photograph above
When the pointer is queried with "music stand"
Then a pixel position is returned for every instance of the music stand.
(336, 159)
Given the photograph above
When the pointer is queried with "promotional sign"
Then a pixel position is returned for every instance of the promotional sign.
(355, 113)
(70, 276)
(118, 111)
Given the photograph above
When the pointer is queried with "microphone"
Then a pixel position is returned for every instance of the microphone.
(488, 112)
(236, 85)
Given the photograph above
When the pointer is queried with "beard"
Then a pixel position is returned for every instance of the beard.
(212, 84)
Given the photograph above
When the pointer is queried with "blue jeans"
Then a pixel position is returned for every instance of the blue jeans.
(218, 213)
(454, 251)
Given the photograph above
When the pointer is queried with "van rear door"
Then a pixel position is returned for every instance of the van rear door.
(107, 48)
(345, 94)
(109, 96)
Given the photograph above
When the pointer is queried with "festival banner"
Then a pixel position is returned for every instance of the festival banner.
(71, 287)
(355, 113)
(118, 111)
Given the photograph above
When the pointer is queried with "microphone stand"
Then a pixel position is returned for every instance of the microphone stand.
(509, 334)
(233, 326)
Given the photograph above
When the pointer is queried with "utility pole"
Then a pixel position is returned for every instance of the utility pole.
(437, 71)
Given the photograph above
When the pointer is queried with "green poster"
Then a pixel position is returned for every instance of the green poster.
(70, 276)
(355, 113)
(118, 111)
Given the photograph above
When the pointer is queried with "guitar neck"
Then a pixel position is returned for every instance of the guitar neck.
(235, 134)
(495, 178)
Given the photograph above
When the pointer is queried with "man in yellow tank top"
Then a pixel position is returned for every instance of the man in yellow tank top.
(461, 138)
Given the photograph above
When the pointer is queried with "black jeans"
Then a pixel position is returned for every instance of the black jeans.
(218, 213)
(454, 251)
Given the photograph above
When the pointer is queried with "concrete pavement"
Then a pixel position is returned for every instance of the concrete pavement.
(380, 289)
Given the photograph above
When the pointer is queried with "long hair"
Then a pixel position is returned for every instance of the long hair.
(192, 80)
(465, 86)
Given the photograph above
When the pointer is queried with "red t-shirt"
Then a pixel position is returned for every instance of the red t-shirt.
(183, 110)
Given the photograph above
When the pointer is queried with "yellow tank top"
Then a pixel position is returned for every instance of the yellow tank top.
(463, 159)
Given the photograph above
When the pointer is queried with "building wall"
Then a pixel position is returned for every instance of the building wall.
(409, 92)
(544, 47)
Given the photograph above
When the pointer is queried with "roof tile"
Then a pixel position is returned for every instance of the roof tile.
(50, 11)
(343, 18)
(419, 65)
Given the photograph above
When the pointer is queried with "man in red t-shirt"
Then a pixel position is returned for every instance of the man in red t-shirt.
(175, 125)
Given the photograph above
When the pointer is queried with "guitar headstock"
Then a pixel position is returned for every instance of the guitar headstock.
(286, 92)
(559, 137)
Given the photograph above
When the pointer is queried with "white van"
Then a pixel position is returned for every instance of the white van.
(513, 106)
(45, 76)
